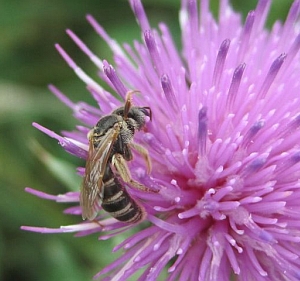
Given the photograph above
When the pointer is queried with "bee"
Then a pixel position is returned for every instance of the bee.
(110, 147)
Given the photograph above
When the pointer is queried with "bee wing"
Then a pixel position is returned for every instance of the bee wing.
(92, 188)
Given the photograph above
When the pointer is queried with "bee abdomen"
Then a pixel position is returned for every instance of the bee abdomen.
(119, 204)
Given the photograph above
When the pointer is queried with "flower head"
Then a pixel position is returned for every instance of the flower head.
(223, 140)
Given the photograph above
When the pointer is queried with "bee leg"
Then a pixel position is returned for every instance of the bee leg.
(97, 222)
(121, 166)
(144, 153)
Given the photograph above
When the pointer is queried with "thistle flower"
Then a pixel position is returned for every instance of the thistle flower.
(224, 144)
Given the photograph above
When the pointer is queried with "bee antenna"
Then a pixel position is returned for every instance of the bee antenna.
(128, 102)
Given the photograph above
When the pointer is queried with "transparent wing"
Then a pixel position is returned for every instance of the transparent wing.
(92, 187)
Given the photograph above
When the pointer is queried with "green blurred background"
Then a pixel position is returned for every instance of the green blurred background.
(28, 62)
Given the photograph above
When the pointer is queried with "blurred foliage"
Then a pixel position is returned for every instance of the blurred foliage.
(28, 63)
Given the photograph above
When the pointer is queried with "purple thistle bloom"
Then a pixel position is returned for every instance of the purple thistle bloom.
(224, 144)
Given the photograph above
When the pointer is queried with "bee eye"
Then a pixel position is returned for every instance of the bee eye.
(145, 111)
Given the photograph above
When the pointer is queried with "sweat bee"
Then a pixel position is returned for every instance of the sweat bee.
(110, 147)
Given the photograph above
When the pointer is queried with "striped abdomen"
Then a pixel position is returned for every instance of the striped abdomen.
(118, 203)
